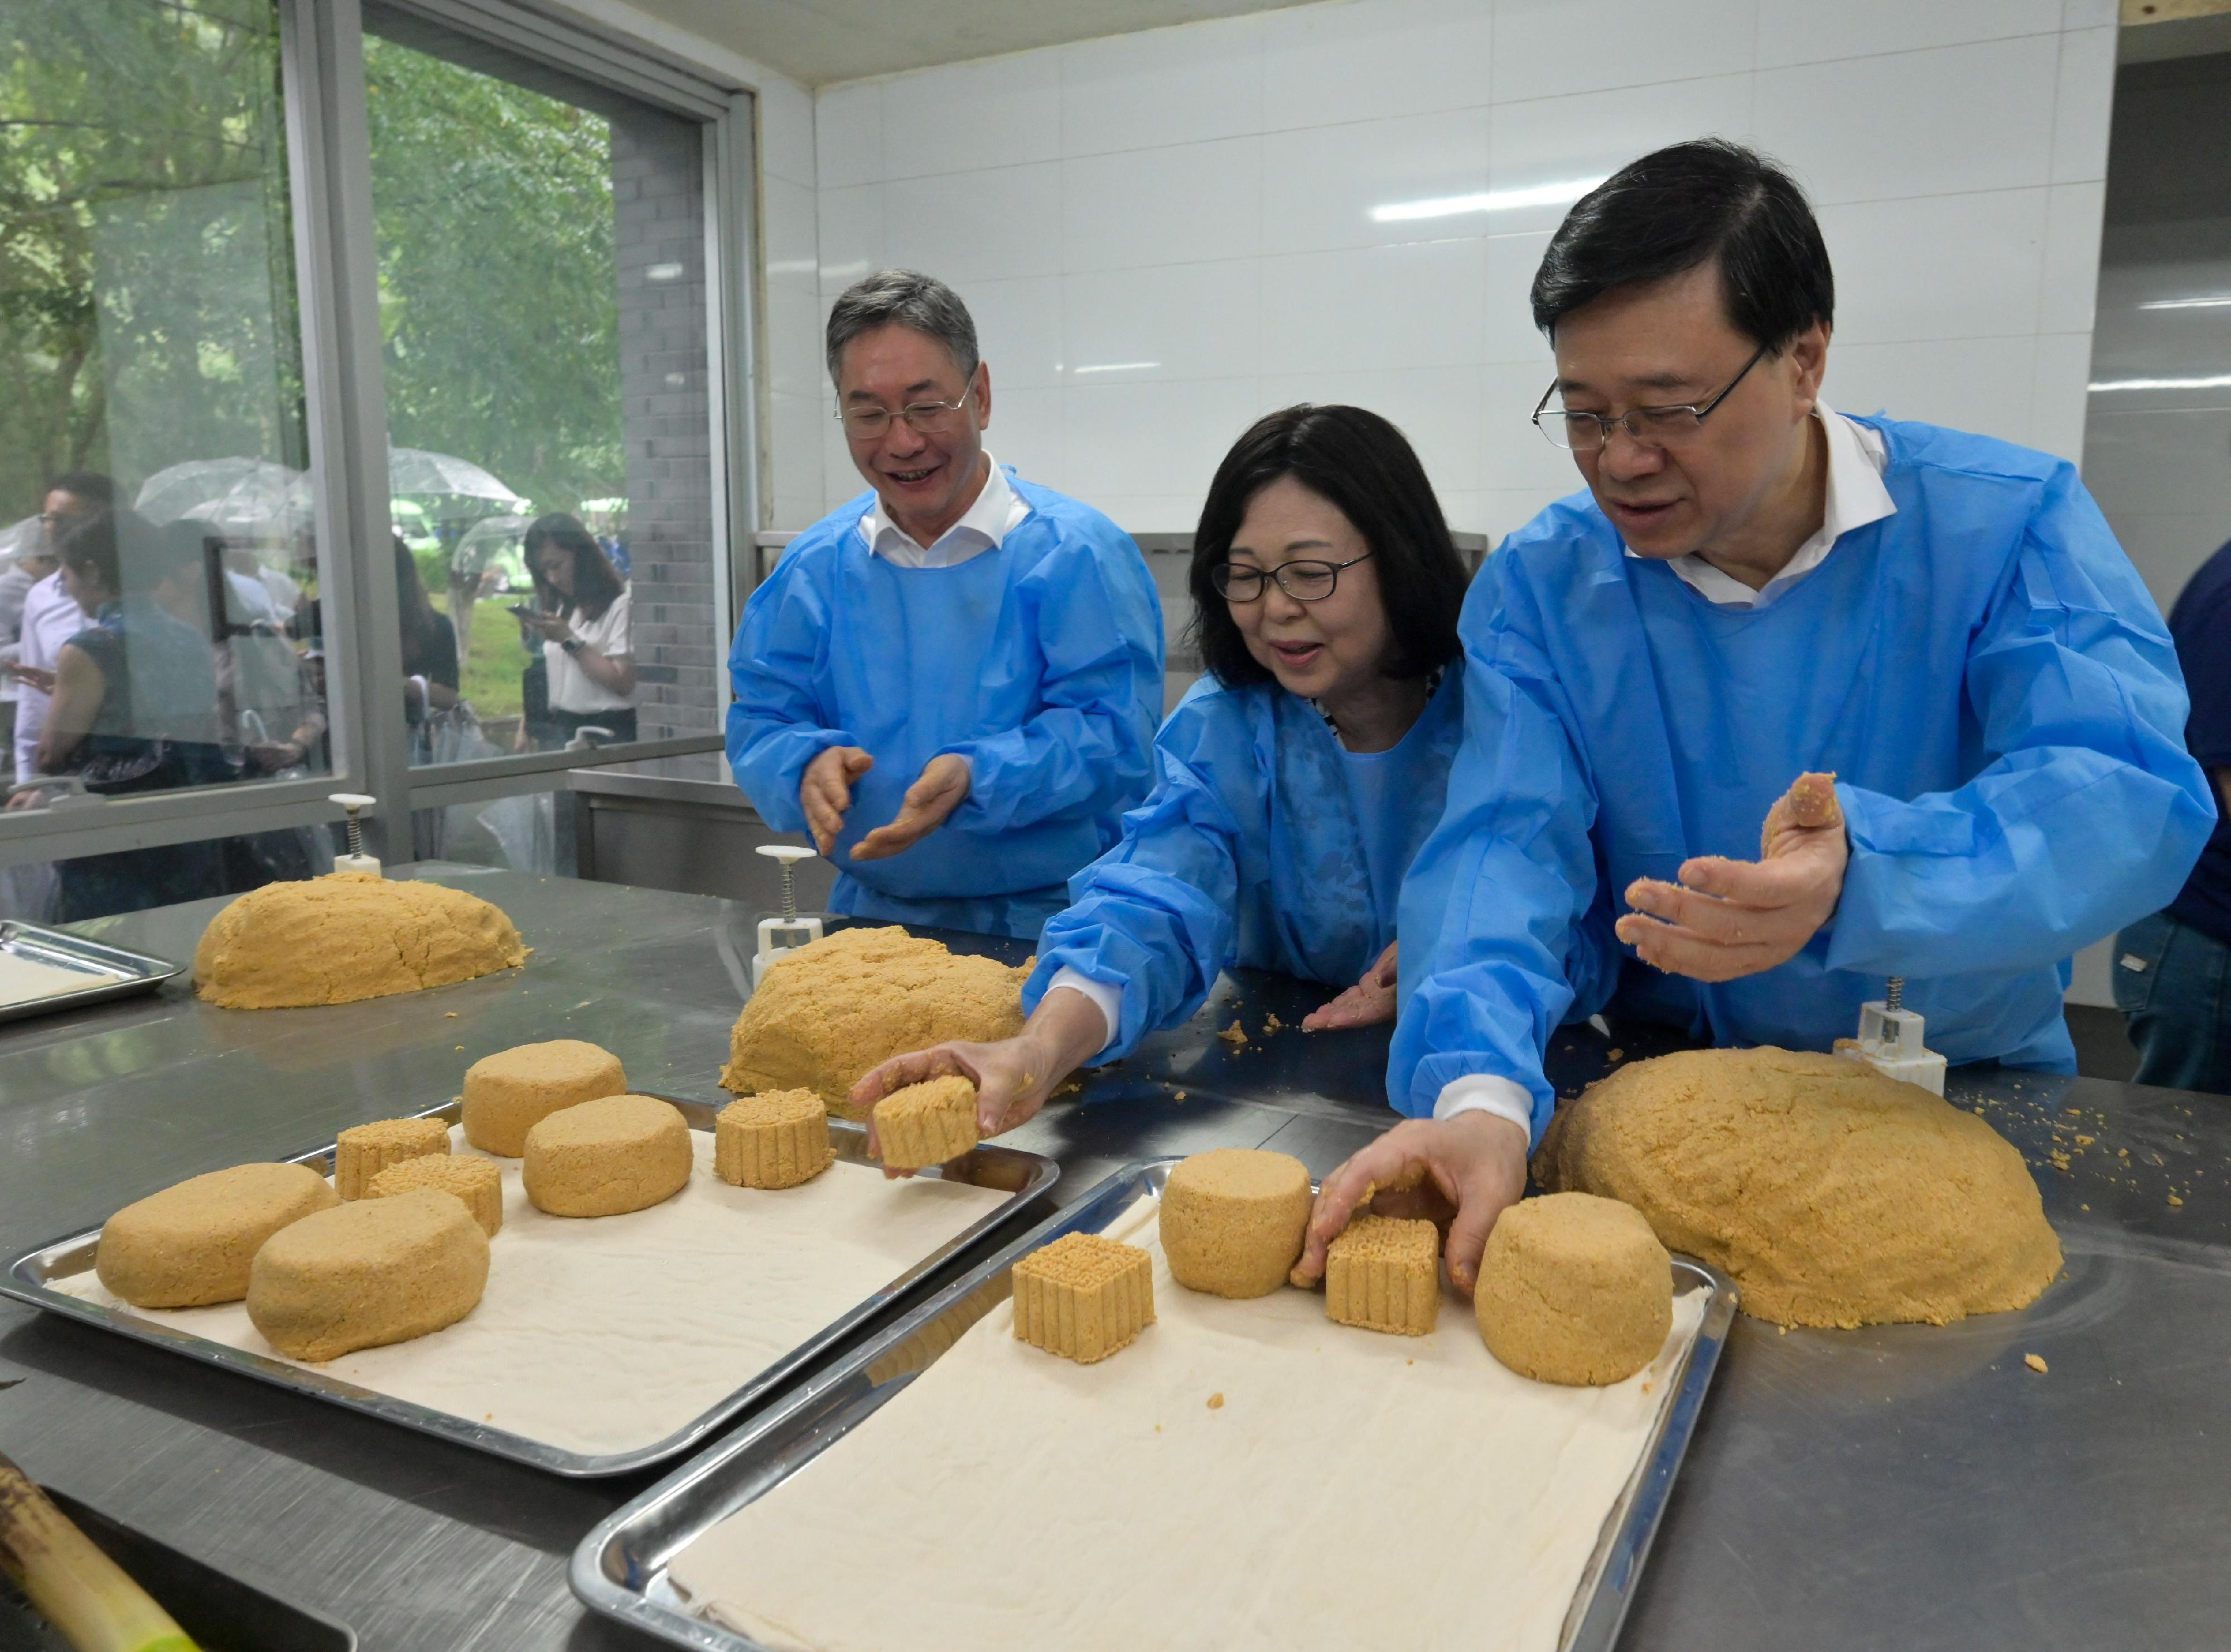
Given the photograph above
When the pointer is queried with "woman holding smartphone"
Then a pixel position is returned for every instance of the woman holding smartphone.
(582, 618)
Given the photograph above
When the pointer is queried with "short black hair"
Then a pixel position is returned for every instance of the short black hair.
(1683, 206)
(1363, 465)
(90, 486)
(90, 542)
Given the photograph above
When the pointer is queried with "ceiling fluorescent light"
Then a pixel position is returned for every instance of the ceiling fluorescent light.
(2206, 302)
(1117, 367)
(1450, 206)
(2219, 381)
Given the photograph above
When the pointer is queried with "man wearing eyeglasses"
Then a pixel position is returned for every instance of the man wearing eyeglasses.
(953, 683)
(1755, 589)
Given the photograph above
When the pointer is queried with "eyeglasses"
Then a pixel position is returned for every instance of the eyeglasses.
(1653, 426)
(929, 418)
(1306, 580)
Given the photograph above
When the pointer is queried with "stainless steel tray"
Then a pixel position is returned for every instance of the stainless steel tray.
(1022, 1175)
(620, 1569)
(110, 972)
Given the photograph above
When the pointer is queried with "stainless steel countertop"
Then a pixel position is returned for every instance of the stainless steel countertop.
(1905, 1487)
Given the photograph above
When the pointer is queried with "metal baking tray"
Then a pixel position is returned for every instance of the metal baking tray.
(1021, 1176)
(214, 1607)
(620, 1569)
(110, 972)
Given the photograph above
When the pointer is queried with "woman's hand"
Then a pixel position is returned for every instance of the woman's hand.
(1369, 1001)
(1012, 1077)
(553, 626)
(1478, 1161)
(36, 677)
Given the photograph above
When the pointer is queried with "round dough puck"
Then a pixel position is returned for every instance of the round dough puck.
(192, 1244)
(1574, 1289)
(372, 1272)
(1232, 1220)
(508, 1093)
(607, 1157)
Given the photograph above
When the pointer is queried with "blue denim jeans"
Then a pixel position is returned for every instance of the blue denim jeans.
(2173, 985)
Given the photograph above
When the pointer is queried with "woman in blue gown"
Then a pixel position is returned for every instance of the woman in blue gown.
(1293, 784)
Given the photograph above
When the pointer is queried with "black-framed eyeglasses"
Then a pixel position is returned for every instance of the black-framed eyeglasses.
(929, 418)
(1305, 581)
(1655, 426)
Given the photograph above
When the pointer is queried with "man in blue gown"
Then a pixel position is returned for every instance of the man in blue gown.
(1754, 587)
(953, 680)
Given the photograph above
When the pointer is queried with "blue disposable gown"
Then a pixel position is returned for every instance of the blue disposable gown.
(1040, 661)
(1253, 851)
(1982, 671)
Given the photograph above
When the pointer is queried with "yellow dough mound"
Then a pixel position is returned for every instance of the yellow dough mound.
(192, 1243)
(1833, 1195)
(828, 1012)
(366, 1273)
(349, 936)
(1573, 1289)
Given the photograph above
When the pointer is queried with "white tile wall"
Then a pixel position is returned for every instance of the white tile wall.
(1165, 234)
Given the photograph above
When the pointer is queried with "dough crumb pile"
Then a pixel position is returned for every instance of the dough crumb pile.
(1833, 1195)
(1574, 1289)
(1384, 1274)
(363, 1150)
(477, 1181)
(349, 936)
(829, 1011)
(192, 1244)
(1083, 1296)
(366, 1273)
(774, 1140)
(607, 1157)
(1232, 1220)
(926, 1123)
(508, 1093)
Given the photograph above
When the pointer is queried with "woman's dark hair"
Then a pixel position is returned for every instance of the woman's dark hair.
(421, 625)
(88, 544)
(1686, 205)
(91, 486)
(596, 583)
(1362, 464)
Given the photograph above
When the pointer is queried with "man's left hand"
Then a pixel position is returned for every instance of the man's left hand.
(942, 788)
(1728, 919)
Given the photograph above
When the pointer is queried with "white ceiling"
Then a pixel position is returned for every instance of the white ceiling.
(820, 40)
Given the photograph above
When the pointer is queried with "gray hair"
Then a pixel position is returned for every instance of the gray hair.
(908, 299)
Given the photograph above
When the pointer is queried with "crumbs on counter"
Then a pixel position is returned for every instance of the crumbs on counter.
(1216, 1402)
(2036, 1363)
(1235, 1035)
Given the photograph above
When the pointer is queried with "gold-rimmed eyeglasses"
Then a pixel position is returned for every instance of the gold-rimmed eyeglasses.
(929, 418)
(1651, 426)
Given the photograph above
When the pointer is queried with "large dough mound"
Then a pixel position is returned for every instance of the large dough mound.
(366, 1273)
(192, 1244)
(349, 936)
(1833, 1195)
(828, 1012)
(1574, 1289)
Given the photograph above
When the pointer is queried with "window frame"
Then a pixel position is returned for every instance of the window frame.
(329, 177)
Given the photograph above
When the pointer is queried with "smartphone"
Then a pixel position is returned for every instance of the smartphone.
(523, 610)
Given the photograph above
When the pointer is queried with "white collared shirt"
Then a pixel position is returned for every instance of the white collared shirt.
(1854, 496)
(983, 526)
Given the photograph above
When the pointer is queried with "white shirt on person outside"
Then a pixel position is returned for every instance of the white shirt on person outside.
(570, 687)
(51, 617)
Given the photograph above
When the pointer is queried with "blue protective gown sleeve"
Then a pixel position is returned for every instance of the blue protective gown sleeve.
(2092, 812)
(774, 723)
(1501, 891)
(1094, 738)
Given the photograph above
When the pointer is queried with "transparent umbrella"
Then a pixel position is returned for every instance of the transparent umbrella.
(413, 473)
(236, 493)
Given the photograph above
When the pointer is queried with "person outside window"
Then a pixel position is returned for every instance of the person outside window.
(583, 622)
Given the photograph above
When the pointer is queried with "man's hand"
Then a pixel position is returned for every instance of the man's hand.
(1728, 919)
(36, 677)
(826, 792)
(1476, 1159)
(1369, 1001)
(942, 788)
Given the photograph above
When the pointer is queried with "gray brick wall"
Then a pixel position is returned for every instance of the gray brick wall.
(658, 203)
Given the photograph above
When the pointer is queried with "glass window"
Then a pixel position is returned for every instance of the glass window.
(542, 298)
(152, 445)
